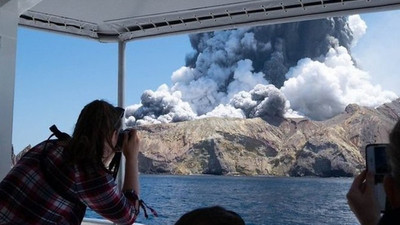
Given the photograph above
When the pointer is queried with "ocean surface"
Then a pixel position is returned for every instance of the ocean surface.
(259, 200)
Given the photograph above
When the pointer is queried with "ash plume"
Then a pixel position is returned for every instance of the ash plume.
(303, 68)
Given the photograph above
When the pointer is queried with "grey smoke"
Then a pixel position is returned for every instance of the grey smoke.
(273, 49)
(260, 101)
(159, 107)
(302, 68)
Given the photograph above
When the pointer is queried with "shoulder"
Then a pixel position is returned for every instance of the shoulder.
(48, 145)
(29, 155)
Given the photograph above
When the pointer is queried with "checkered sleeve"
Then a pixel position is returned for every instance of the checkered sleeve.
(101, 194)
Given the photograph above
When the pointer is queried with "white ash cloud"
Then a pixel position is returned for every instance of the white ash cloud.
(291, 69)
(321, 90)
(357, 27)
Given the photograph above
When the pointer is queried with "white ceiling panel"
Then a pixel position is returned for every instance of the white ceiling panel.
(122, 20)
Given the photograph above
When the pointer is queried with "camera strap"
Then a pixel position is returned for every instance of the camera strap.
(114, 164)
(56, 186)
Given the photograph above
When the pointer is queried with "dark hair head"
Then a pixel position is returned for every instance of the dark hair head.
(95, 126)
(394, 152)
(215, 215)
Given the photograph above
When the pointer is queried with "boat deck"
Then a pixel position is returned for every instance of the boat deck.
(90, 221)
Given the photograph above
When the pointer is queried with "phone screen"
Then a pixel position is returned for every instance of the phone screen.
(377, 163)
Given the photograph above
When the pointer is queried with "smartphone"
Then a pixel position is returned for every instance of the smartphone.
(377, 163)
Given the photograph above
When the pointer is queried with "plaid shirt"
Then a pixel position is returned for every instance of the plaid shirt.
(40, 189)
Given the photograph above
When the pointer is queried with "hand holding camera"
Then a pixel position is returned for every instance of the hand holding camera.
(128, 141)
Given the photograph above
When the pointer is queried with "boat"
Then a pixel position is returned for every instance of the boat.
(122, 21)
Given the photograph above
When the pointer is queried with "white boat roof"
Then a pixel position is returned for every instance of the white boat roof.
(122, 20)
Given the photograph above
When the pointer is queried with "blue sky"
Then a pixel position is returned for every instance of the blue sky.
(57, 75)
(378, 51)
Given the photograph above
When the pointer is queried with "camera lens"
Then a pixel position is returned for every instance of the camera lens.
(121, 136)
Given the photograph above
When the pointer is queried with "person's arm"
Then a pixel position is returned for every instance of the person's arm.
(131, 187)
(131, 153)
(97, 189)
(101, 193)
(362, 200)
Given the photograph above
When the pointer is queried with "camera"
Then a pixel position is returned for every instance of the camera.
(376, 160)
(121, 136)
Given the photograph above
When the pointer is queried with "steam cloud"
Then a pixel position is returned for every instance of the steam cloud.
(283, 70)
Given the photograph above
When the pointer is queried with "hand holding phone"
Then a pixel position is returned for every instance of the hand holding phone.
(361, 199)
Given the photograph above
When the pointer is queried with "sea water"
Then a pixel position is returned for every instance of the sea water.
(259, 200)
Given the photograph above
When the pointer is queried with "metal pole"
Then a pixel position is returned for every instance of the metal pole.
(8, 46)
(121, 73)
(121, 103)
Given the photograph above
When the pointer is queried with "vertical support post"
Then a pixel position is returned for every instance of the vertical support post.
(8, 48)
(121, 73)
(121, 103)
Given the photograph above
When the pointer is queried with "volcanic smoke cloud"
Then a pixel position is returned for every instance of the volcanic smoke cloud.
(284, 70)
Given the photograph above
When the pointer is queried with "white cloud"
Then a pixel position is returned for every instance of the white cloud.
(244, 78)
(225, 111)
(358, 27)
(321, 90)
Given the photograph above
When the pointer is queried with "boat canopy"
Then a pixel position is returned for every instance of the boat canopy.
(122, 20)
